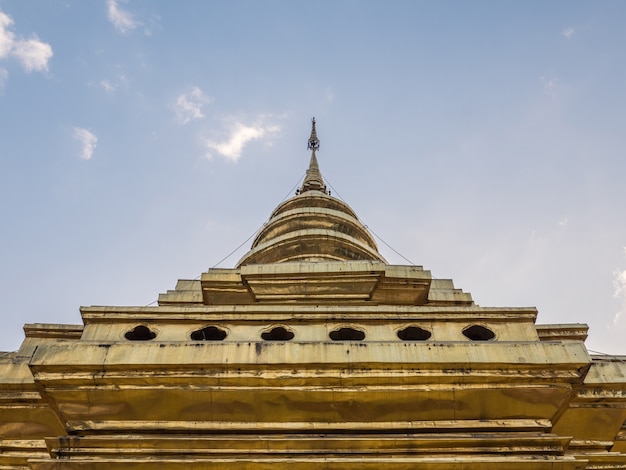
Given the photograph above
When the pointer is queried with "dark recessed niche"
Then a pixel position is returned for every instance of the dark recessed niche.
(140, 333)
(278, 333)
(209, 333)
(347, 334)
(479, 333)
(414, 333)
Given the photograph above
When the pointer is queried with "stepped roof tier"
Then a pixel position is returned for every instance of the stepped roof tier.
(313, 352)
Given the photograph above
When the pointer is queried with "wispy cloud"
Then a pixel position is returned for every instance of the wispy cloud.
(330, 96)
(88, 141)
(563, 221)
(619, 283)
(32, 53)
(188, 106)
(111, 85)
(107, 85)
(549, 84)
(4, 76)
(619, 293)
(121, 19)
(568, 32)
(238, 137)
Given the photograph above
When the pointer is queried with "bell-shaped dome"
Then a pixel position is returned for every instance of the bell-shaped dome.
(312, 226)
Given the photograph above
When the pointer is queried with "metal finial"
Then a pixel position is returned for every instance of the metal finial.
(313, 180)
(314, 143)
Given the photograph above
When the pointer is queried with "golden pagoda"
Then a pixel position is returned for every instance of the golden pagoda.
(312, 353)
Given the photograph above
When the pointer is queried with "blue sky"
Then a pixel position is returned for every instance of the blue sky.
(143, 141)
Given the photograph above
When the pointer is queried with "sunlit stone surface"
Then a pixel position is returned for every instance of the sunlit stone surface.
(313, 353)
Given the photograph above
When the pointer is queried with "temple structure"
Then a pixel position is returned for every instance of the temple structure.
(312, 353)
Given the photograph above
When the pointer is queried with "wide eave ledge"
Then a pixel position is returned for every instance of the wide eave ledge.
(109, 314)
(59, 331)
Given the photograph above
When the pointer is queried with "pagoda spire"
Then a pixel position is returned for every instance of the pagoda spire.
(313, 180)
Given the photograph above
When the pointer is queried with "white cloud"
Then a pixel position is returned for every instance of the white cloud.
(121, 19)
(563, 221)
(32, 53)
(240, 134)
(567, 32)
(188, 106)
(88, 140)
(6, 36)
